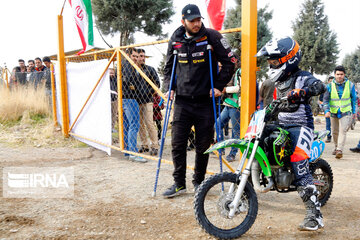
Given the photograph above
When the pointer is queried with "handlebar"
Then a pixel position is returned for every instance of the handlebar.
(272, 110)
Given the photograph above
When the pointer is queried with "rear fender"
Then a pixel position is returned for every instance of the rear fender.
(241, 144)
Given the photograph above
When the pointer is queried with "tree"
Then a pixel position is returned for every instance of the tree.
(130, 16)
(233, 19)
(318, 43)
(351, 63)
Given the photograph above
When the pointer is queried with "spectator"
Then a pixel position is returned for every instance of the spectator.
(266, 93)
(193, 103)
(47, 62)
(13, 79)
(31, 64)
(21, 67)
(327, 119)
(146, 106)
(29, 75)
(47, 76)
(39, 67)
(21, 72)
(231, 110)
(130, 88)
(114, 101)
(356, 149)
(157, 116)
(39, 72)
(340, 103)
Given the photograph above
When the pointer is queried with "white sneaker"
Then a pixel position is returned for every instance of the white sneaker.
(137, 159)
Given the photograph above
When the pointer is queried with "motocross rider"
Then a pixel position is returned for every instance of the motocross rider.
(283, 56)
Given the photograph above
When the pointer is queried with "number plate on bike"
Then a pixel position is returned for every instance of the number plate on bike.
(256, 124)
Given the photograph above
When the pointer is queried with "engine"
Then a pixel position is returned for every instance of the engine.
(283, 178)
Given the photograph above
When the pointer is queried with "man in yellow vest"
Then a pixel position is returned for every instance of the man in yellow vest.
(340, 104)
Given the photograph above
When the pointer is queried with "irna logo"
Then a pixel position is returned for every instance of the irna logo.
(37, 180)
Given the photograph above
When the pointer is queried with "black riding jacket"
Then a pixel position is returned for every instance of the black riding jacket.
(192, 69)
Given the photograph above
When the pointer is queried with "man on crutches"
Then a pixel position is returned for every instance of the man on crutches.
(193, 104)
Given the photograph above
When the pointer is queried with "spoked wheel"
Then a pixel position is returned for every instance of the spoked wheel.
(212, 202)
(323, 179)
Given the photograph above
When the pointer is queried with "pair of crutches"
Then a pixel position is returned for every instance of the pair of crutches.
(168, 109)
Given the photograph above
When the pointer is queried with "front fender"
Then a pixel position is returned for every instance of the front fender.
(241, 144)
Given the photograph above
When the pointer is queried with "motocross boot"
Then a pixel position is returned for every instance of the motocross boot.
(313, 219)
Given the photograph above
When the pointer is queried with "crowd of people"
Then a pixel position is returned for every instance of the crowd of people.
(37, 72)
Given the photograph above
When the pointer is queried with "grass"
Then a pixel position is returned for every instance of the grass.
(18, 101)
(25, 119)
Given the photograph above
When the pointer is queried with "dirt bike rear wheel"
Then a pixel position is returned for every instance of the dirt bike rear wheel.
(211, 207)
(322, 172)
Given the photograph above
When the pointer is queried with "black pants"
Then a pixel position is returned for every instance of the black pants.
(158, 126)
(188, 113)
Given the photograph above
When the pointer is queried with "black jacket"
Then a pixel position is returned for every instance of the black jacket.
(193, 70)
(146, 91)
(130, 82)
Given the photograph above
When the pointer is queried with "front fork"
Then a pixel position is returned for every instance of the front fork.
(243, 179)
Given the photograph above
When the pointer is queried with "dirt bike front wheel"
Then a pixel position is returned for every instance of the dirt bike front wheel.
(211, 206)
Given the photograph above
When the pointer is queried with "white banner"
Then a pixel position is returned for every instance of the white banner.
(95, 120)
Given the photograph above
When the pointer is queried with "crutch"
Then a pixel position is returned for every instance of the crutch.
(166, 121)
(217, 126)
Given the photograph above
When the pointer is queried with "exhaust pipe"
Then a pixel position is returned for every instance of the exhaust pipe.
(255, 177)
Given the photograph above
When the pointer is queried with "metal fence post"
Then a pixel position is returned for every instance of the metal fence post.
(63, 83)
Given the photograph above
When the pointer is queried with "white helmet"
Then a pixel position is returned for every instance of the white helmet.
(286, 51)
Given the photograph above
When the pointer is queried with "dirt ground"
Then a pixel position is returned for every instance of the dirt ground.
(112, 200)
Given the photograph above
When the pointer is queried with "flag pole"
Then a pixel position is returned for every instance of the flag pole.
(62, 9)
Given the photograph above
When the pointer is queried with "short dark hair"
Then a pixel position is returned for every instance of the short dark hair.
(21, 60)
(331, 77)
(339, 68)
(31, 61)
(38, 59)
(129, 51)
(46, 59)
(141, 50)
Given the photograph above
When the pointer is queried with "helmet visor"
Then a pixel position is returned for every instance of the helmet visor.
(262, 52)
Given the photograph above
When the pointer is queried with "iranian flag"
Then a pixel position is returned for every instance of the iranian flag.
(83, 17)
(216, 13)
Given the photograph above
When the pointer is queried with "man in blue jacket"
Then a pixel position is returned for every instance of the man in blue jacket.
(339, 105)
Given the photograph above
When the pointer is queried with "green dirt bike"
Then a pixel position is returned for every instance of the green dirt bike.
(226, 204)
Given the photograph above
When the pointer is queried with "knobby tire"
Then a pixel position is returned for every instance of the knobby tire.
(324, 166)
(203, 220)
